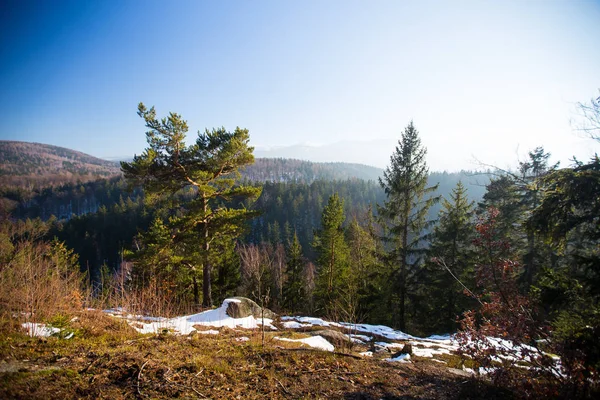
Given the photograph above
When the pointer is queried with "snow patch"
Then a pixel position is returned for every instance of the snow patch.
(184, 325)
(40, 330)
(404, 358)
(318, 342)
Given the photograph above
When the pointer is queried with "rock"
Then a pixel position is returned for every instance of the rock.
(407, 349)
(334, 337)
(245, 308)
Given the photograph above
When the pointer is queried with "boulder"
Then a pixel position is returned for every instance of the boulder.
(334, 337)
(242, 307)
(407, 349)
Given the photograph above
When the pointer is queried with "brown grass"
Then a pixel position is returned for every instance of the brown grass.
(108, 361)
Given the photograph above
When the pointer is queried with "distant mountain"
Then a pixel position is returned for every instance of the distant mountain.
(372, 152)
(290, 170)
(35, 165)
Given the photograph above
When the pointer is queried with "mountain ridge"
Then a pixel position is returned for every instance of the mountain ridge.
(31, 164)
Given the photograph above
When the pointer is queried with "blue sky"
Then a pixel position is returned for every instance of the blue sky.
(481, 79)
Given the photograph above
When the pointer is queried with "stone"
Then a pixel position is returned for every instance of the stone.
(245, 307)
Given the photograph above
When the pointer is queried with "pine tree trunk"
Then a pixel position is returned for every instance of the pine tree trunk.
(206, 270)
(196, 291)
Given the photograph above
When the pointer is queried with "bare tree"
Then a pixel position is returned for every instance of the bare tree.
(590, 116)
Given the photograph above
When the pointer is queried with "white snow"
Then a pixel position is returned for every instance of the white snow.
(380, 330)
(184, 325)
(401, 358)
(428, 352)
(39, 330)
(364, 338)
(294, 325)
(208, 332)
(318, 342)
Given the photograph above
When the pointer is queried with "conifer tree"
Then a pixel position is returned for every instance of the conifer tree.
(404, 214)
(367, 276)
(332, 260)
(293, 289)
(516, 195)
(192, 183)
(452, 262)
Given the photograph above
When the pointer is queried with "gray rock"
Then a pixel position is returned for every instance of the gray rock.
(246, 308)
(334, 337)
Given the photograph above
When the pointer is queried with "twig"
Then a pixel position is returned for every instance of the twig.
(139, 376)
(283, 387)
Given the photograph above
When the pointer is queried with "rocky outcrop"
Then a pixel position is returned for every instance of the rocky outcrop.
(242, 307)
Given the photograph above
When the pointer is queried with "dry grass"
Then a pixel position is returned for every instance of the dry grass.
(38, 282)
(107, 360)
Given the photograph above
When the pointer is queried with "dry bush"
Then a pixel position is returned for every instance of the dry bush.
(154, 297)
(38, 280)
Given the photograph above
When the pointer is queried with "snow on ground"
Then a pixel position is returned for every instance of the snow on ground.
(295, 325)
(185, 325)
(359, 333)
(312, 321)
(364, 338)
(380, 330)
(401, 358)
(39, 330)
(318, 342)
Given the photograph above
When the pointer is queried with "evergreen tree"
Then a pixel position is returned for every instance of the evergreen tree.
(332, 251)
(404, 214)
(293, 289)
(516, 195)
(192, 182)
(453, 259)
(367, 276)
(531, 189)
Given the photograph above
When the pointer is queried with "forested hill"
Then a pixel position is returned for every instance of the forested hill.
(25, 164)
(300, 171)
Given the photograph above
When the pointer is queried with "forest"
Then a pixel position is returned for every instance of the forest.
(513, 254)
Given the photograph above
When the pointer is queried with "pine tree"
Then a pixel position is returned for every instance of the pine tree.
(531, 190)
(404, 213)
(453, 259)
(332, 261)
(193, 182)
(516, 195)
(293, 289)
(367, 276)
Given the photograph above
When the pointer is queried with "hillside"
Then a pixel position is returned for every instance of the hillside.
(292, 170)
(26, 164)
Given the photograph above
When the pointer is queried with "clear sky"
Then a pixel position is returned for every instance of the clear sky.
(484, 79)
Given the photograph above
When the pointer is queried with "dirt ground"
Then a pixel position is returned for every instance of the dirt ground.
(121, 365)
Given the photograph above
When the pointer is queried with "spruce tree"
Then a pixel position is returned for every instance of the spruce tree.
(332, 261)
(367, 276)
(293, 288)
(452, 261)
(404, 214)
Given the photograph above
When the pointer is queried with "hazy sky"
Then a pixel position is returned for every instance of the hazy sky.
(484, 79)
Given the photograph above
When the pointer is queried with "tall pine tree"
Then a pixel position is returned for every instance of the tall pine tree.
(194, 183)
(404, 214)
(452, 261)
(332, 261)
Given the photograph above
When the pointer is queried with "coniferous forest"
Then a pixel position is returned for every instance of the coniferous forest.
(511, 254)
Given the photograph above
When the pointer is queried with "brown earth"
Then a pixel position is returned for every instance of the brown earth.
(120, 364)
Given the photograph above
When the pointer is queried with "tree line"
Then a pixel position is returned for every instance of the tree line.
(523, 263)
